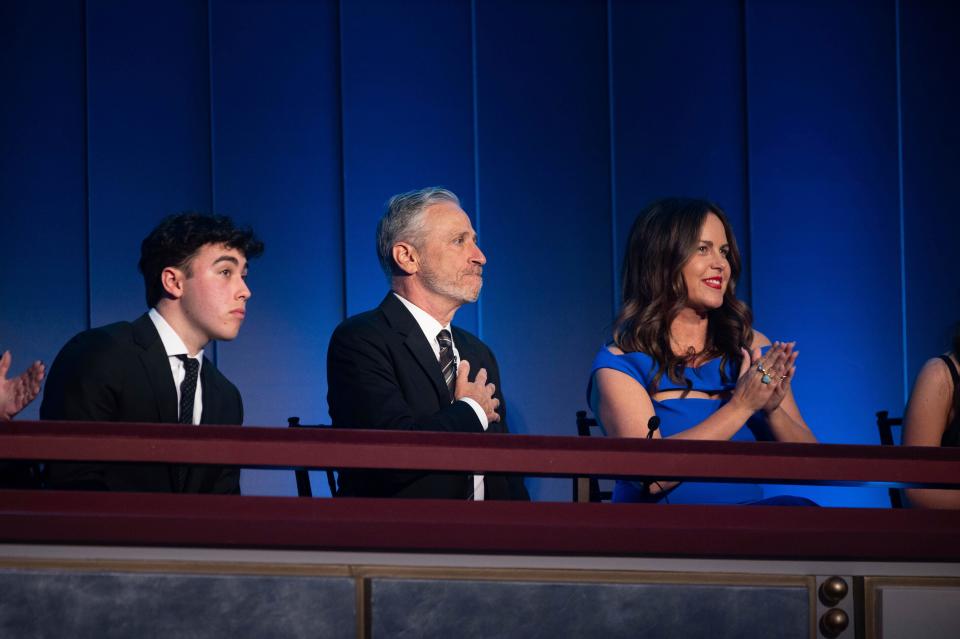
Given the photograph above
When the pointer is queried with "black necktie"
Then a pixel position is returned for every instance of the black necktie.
(188, 388)
(447, 363)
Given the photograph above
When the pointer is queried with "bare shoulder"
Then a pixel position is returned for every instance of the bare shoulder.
(935, 374)
(929, 408)
(759, 340)
(615, 350)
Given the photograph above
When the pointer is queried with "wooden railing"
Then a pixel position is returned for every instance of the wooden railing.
(552, 456)
(450, 526)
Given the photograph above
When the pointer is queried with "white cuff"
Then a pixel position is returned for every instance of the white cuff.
(482, 416)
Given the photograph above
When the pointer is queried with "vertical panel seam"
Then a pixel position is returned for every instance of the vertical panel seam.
(363, 603)
(903, 252)
(343, 165)
(210, 137)
(476, 143)
(614, 298)
(210, 131)
(86, 168)
(747, 200)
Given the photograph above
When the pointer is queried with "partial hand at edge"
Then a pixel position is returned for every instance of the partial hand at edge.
(16, 393)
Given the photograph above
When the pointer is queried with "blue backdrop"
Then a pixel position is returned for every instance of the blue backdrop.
(827, 130)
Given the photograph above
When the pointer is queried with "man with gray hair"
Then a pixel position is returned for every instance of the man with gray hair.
(402, 366)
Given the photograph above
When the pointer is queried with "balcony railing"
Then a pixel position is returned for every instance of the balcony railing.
(452, 526)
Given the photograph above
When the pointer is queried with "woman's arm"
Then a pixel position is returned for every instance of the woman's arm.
(624, 409)
(926, 419)
(782, 413)
(624, 405)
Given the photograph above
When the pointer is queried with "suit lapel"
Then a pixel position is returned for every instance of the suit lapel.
(157, 365)
(401, 321)
(209, 393)
(466, 352)
(477, 361)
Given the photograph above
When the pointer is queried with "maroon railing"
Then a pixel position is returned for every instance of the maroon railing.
(831, 464)
(449, 526)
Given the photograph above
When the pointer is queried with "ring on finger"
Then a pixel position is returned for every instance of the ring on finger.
(765, 374)
(766, 377)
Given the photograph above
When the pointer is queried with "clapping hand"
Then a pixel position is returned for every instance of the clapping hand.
(781, 372)
(764, 380)
(16, 393)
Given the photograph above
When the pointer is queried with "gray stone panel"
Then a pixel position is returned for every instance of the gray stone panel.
(107, 604)
(908, 612)
(407, 608)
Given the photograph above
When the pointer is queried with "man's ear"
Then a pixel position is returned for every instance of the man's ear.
(406, 258)
(172, 280)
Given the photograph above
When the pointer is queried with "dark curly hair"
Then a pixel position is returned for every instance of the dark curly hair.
(662, 240)
(176, 240)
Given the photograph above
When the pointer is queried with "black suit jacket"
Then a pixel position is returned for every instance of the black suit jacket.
(382, 373)
(121, 373)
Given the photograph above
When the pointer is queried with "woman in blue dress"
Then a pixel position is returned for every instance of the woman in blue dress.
(684, 350)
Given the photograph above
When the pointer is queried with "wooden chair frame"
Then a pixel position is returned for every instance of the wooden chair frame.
(302, 474)
(885, 425)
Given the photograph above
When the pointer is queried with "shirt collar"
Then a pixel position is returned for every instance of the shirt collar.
(172, 343)
(428, 323)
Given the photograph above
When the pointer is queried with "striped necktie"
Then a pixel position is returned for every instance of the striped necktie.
(188, 388)
(447, 363)
(188, 391)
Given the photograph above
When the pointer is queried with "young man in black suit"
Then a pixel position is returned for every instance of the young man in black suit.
(402, 366)
(153, 369)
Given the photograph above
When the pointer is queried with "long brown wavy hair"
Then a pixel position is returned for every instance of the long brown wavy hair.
(956, 341)
(662, 240)
(956, 353)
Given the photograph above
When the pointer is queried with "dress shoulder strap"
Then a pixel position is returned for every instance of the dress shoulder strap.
(951, 436)
(953, 370)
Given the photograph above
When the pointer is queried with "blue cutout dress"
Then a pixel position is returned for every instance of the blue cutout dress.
(677, 415)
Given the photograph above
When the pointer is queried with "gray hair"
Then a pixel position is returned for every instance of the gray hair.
(403, 221)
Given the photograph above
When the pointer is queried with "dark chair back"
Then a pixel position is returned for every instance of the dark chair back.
(587, 488)
(302, 474)
(885, 426)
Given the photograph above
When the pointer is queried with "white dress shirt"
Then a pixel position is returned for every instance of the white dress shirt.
(175, 346)
(431, 327)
